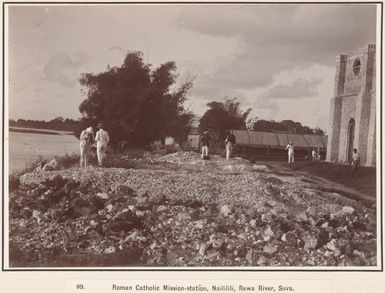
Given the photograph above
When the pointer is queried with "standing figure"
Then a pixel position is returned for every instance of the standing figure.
(205, 141)
(102, 140)
(229, 144)
(314, 155)
(355, 161)
(290, 152)
(86, 141)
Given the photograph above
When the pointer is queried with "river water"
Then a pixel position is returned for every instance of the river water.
(27, 147)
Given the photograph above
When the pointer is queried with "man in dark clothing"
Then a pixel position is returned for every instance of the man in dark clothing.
(205, 141)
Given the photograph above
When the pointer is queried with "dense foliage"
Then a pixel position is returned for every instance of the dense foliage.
(137, 104)
(222, 117)
(58, 123)
(281, 126)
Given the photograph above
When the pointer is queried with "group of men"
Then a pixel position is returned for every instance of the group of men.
(355, 161)
(229, 144)
(87, 141)
(290, 153)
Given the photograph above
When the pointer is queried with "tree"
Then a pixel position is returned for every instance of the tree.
(59, 123)
(58, 119)
(222, 117)
(284, 126)
(136, 104)
(318, 131)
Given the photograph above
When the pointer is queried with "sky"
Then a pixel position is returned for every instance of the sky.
(277, 59)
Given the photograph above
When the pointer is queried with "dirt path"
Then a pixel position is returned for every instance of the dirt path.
(323, 184)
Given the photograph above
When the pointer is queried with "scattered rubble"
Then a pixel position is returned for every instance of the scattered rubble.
(184, 212)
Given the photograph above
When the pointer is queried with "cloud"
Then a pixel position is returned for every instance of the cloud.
(275, 38)
(266, 104)
(300, 88)
(324, 28)
(246, 48)
(310, 107)
(63, 68)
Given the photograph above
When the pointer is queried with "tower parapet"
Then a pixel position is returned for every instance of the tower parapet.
(353, 107)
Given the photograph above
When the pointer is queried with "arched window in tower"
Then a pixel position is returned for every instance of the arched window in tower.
(356, 66)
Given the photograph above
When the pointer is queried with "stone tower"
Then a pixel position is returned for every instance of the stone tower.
(353, 108)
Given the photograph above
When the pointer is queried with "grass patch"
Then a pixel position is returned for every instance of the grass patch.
(363, 181)
(118, 161)
(67, 161)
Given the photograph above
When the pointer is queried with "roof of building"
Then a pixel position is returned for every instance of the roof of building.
(273, 139)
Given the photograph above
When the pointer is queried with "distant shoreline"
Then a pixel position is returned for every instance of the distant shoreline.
(39, 131)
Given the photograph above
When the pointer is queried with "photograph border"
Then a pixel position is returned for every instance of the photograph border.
(379, 138)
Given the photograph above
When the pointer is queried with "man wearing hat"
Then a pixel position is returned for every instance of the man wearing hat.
(290, 152)
(205, 142)
(86, 141)
(102, 139)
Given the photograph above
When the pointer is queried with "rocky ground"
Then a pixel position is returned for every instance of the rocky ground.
(178, 210)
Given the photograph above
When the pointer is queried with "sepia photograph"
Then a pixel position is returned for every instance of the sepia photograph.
(192, 136)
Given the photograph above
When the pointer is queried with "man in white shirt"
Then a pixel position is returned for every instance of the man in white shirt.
(102, 139)
(355, 161)
(314, 155)
(86, 141)
(290, 152)
(229, 145)
(205, 142)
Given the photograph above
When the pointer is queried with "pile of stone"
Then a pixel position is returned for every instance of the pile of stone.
(119, 217)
